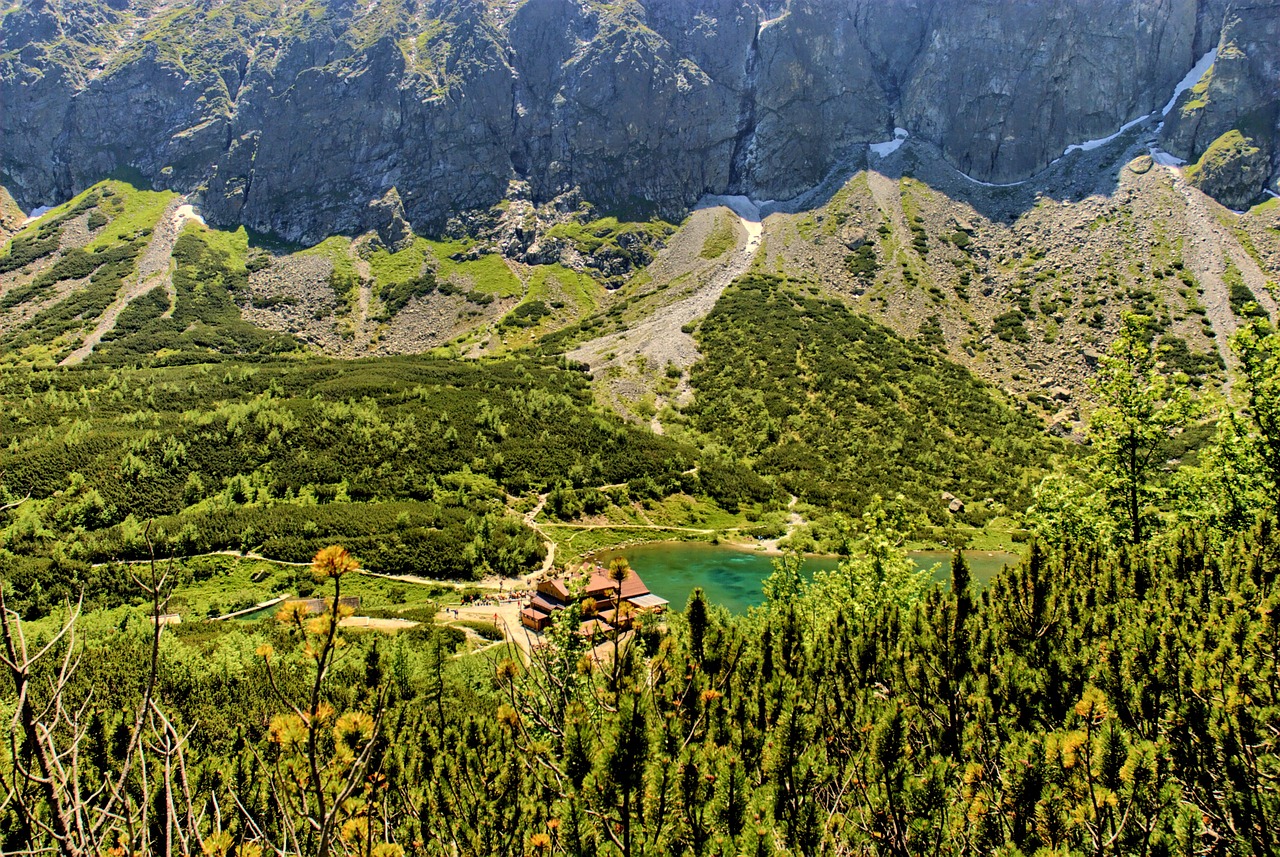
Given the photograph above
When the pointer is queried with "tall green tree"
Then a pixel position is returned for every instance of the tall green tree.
(1257, 345)
(1140, 405)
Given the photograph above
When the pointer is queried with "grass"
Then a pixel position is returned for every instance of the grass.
(235, 243)
(388, 267)
(488, 274)
(1199, 95)
(721, 240)
(132, 212)
(218, 584)
(1222, 152)
(556, 297)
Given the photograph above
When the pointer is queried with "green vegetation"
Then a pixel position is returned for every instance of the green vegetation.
(838, 408)
(1199, 95)
(611, 246)
(1222, 154)
(407, 460)
(1244, 304)
(1111, 695)
(1198, 366)
(1089, 695)
(527, 314)
(720, 240)
(863, 263)
(402, 276)
(1009, 326)
(210, 279)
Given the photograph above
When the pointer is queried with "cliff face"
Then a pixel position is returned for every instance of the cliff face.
(1230, 120)
(292, 118)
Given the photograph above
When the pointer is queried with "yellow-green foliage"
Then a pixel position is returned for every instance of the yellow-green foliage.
(132, 211)
(337, 249)
(235, 243)
(1199, 95)
(400, 267)
(556, 297)
(590, 237)
(427, 50)
(488, 274)
(1272, 205)
(195, 38)
(1231, 146)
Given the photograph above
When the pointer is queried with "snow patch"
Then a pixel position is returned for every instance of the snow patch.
(743, 206)
(37, 213)
(748, 211)
(1270, 192)
(992, 184)
(186, 212)
(1090, 145)
(1192, 78)
(1164, 159)
(888, 147)
(764, 25)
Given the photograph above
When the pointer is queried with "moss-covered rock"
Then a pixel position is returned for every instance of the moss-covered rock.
(1233, 170)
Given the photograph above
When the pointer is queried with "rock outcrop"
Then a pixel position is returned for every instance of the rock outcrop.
(1232, 170)
(1230, 120)
(293, 118)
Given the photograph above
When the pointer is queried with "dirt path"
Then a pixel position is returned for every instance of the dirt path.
(794, 522)
(154, 270)
(505, 616)
(530, 520)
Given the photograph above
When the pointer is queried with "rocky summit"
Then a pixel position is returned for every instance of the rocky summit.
(307, 119)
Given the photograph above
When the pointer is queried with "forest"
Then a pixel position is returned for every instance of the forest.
(1118, 692)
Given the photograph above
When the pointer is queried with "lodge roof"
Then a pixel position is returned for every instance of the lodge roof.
(602, 586)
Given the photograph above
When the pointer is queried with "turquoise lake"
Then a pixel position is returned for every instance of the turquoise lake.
(732, 577)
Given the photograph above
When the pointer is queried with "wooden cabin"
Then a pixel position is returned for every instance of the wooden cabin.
(553, 594)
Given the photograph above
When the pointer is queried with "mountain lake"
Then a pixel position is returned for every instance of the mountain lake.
(732, 577)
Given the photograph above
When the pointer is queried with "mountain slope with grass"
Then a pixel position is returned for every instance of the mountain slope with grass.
(840, 408)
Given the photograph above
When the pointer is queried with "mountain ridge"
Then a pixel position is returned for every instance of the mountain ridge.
(293, 120)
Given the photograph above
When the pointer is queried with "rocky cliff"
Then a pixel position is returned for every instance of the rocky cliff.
(294, 118)
(1229, 122)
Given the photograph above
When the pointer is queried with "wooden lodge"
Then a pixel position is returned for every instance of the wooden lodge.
(315, 606)
(601, 595)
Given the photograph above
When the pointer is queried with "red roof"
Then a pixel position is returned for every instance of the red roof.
(544, 604)
(601, 586)
(555, 588)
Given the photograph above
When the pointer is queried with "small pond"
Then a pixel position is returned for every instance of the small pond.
(732, 577)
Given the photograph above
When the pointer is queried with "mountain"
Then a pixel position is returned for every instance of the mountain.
(298, 120)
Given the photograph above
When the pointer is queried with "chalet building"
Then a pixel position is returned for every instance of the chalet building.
(600, 594)
(321, 605)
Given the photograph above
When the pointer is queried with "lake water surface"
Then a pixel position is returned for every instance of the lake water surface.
(732, 577)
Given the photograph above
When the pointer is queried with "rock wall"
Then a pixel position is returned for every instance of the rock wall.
(292, 118)
(1232, 116)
